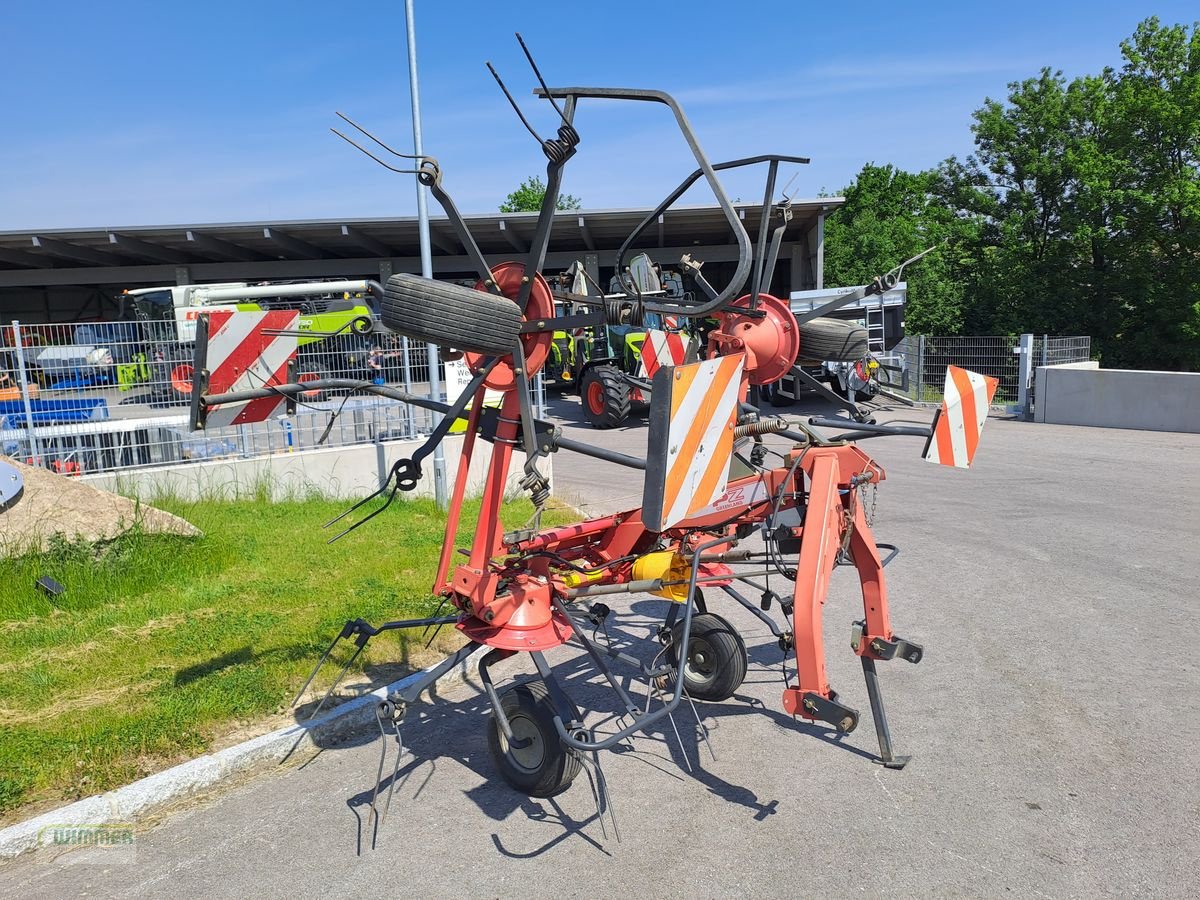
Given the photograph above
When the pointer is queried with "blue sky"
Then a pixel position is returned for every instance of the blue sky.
(140, 113)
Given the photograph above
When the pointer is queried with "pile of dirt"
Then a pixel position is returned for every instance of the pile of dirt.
(55, 504)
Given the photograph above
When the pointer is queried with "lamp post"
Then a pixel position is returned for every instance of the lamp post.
(435, 375)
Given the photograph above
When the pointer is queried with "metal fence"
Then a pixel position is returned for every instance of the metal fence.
(102, 396)
(1003, 357)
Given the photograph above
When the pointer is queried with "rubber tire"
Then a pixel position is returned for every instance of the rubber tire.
(530, 704)
(615, 390)
(729, 651)
(450, 315)
(833, 340)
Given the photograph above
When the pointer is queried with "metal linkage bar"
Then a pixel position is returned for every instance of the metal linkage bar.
(326, 384)
(863, 430)
(641, 722)
(652, 216)
(744, 249)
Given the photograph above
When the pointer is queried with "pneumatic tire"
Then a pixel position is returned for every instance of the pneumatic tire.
(450, 315)
(605, 396)
(543, 768)
(832, 339)
(716, 662)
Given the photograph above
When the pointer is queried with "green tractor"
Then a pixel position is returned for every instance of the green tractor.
(615, 378)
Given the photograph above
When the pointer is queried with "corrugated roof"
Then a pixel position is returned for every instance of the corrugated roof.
(496, 233)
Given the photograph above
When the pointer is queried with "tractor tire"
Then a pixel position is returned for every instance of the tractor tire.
(605, 396)
(716, 660)
(171, 375)
(543, 768)
(833, 340)
(450, 315)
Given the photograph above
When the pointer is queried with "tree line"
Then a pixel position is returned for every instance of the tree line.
(1077, 213)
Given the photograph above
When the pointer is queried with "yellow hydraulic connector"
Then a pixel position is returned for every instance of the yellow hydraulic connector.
(576, 579)
(668, 567)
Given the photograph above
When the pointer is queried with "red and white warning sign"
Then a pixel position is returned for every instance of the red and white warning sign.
(248, 350)
(691, 438)
(664, 348)
(959, 423)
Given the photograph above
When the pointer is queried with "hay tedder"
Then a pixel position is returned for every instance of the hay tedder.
(723, 509)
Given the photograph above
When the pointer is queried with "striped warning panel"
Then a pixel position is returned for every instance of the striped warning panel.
(246, 350)
(691, 438)
(959, 423)
(664, 348)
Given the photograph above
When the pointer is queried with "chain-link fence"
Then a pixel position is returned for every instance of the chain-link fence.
(926, 357)
(100, 396)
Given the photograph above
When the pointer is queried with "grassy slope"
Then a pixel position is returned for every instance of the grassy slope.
(162, 644)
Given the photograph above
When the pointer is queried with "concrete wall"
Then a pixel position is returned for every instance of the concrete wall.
(1084, 394)
(339, 472)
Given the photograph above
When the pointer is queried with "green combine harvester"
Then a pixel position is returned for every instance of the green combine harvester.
(336, 321)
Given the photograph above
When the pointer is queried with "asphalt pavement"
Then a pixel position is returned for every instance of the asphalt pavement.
(1053, 724)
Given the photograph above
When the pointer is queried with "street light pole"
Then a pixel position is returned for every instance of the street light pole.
(435, 377)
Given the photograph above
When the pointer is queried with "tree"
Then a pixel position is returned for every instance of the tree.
(529, 196)
(889, 216)
(1077, 213)
(1155, 135)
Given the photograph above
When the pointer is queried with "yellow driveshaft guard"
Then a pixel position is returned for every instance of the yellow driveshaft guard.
(668, 567)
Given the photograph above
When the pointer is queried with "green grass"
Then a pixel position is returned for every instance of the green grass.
(161, 645)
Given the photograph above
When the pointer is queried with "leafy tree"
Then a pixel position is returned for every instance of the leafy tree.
(1078, 212)
(1155, 134)
(889, 216)
(529, 196)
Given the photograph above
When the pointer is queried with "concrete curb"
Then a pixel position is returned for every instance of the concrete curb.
(291, 743)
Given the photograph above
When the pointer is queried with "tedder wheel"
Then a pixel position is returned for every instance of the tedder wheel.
(716, 657)
(832, 339)
(605, 396)
(543, 767)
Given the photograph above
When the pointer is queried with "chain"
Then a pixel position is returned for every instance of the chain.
(862, 493)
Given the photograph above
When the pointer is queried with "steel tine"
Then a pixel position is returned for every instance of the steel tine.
(605, 797)
(513, 103)
(541, 80)
(366, 499)
(346, 118)
(338, 680)
(382, 758)
(367, 152)
(679, 740)
(587, 767)
(433, 637)
(316, 669)
(395, 772)
(367, 518)
(437, 612)
(784, 192)
(700, 723)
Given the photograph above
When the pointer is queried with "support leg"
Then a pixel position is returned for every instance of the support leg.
(886, 757)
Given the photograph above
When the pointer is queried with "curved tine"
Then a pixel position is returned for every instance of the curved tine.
(367, 152)
(899, 270)
(541, 80)
(367, 518)
(346, 118)
(784, 193)
(513, 103)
